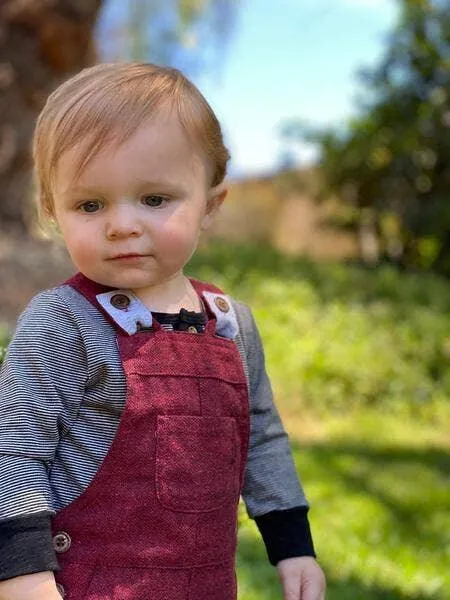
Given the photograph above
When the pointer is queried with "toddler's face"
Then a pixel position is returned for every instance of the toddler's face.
(132, 218)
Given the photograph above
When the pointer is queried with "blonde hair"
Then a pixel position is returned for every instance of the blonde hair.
(106, 104)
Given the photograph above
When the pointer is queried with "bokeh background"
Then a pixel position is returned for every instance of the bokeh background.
(336, 231)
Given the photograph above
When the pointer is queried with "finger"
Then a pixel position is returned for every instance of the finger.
(291, 588)
(313, 591)
(290, 593)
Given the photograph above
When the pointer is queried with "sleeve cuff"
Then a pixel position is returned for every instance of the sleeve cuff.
(26, 546)
(286, 533)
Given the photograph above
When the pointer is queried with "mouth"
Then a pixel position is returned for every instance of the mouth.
(128, 256)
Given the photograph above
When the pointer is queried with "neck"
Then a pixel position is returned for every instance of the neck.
(170, 296)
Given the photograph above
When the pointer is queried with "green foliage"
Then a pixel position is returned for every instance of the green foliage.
(340, 336)
(367, 352)
(3, 344)
(394, 157)
(380, 516)
(357, 348)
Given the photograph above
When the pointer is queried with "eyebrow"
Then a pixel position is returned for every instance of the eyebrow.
(79, 189)
(158, 183)
(138, 183)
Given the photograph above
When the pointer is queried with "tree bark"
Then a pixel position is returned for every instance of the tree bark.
(41, 43)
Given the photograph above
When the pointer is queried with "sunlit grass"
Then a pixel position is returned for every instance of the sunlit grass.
(338, 336)
(359, 362)
(380, 516)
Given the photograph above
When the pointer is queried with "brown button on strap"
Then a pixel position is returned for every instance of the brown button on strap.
(120, 301)
(226, 320)
(222, 304)
(61, 542)
(61, 590)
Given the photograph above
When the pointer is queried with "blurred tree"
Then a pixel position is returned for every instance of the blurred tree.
(391, 165)
(40, 42)
(44, 41)
(181, 33)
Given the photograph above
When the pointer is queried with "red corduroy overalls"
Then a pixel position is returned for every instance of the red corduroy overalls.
(158, 521)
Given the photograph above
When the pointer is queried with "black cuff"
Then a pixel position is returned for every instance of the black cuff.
(286, 533)
(26, 546)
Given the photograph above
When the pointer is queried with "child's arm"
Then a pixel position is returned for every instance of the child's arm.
(272, 491)
(35, 407)
(36, 586)
(26, 544)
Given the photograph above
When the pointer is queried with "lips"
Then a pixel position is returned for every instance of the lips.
(128, 255)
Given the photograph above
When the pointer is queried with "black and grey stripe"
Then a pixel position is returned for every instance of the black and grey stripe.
(62, 392)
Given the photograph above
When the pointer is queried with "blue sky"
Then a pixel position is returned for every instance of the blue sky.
(285, 59)
(292, 58)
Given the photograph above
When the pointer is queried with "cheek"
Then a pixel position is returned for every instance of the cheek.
(79, 246)
(178, 239)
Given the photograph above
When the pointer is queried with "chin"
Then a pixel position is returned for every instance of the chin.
(123, 283)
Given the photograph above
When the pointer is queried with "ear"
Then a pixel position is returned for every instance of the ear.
(216, 196)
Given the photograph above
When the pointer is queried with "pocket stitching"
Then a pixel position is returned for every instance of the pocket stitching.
(232, 488)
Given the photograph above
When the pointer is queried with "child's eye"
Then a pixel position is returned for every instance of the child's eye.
(154, 201)
(90, 206)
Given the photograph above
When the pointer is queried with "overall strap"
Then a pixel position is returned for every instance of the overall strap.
(121, 308)
(88, 288)
(128, 314)
(219, 308)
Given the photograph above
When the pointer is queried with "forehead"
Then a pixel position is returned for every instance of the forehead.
(159, 149)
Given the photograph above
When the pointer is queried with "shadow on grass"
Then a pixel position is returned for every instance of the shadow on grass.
(433, 458)
(393, 478)
(350, 283)
(259, 581)
(352, 589)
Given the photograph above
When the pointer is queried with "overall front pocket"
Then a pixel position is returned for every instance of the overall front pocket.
(197, 462)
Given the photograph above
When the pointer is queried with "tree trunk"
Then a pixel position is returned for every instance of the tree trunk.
(41, 43)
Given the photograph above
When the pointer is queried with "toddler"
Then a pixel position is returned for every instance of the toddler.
(135, 408)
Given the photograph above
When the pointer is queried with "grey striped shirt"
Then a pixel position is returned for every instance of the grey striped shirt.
(62, 393)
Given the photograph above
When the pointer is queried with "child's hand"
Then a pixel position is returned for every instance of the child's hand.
(36, 586)
(301, 578)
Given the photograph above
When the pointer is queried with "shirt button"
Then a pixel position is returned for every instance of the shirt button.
(61, 542)
(61, 590)
(120, 301)
(192, 329)
(222, 304)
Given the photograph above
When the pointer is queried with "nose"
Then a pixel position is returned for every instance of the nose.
(123, 222)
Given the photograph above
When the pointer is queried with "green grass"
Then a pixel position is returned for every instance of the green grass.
(3, 342)
(359, 363)
(340, 336)
(380, 518)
